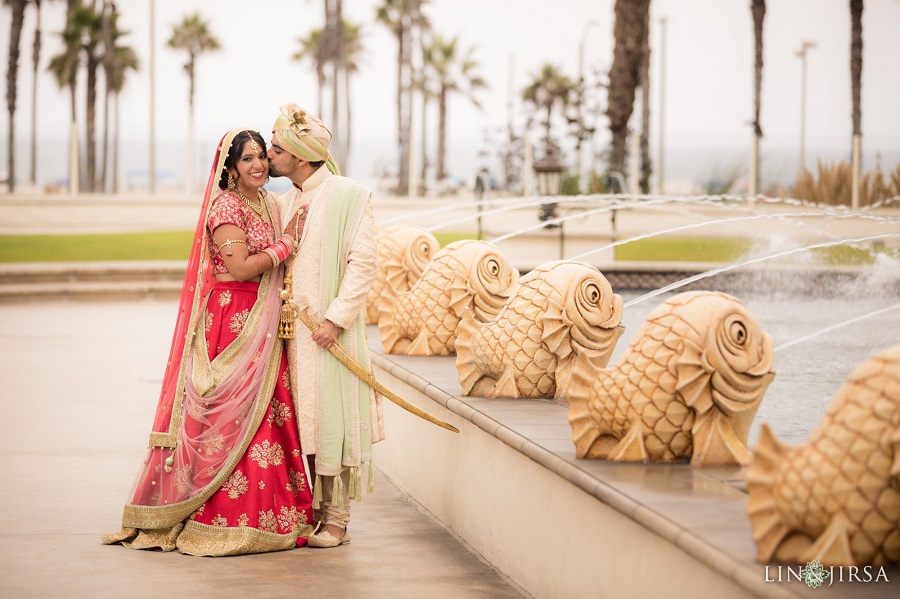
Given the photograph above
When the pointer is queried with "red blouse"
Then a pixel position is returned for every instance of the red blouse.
(228, 209)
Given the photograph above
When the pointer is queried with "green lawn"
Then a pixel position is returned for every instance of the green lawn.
(174, 245)
(163, 245)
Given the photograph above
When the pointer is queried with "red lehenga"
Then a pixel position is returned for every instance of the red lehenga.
(224, 474)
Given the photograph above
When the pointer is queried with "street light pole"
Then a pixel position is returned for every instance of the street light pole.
(581, 44)
(801, 53)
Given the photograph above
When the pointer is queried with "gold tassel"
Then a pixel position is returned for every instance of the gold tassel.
(355, 492)
(317, 493)
(337, 493)
(289, 308)
(371, 488)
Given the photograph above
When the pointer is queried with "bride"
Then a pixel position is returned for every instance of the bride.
(225, 474)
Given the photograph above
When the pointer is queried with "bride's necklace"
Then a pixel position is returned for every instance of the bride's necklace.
(257, 208)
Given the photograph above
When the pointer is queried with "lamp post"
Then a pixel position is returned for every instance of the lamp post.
(801, 54)
(549, 171)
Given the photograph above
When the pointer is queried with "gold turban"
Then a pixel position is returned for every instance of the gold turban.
(303, 135)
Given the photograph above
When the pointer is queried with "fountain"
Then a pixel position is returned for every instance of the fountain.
(519, 458)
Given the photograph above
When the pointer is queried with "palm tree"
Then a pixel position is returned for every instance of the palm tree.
(12, 73)
(64, 67)
(194, 37)
(353, 52)
(117, 60)
(82, 35)
(401, 17)
(36, 62)
(86, 29)
(312, 48)
(644, 78)
(454, 72)
(758, 8)
(548, 88)
(630, 31)
(856, 58)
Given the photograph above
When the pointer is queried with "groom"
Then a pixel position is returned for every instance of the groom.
(338, 415)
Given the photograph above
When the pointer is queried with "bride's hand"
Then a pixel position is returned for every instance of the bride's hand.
(294, 227)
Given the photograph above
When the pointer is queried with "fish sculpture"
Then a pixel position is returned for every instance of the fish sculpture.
(402, 255)
(687, 387)
(835, 499)
(423, 321)
(560, 310)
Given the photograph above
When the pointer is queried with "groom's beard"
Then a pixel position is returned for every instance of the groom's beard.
(273, 172)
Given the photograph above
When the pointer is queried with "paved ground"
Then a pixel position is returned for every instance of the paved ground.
(78, 385)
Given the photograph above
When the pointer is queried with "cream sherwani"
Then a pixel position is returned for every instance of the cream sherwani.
(305, 358)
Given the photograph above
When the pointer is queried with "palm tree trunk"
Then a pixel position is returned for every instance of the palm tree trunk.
(646, 166)
(91, 141)
(629, 32)
(856, 58)
(106, 93)
(189, 172)
(115, 156)
(15, 36)
(405, 114)
(347, 111)
(442, 133)
(758, 8)
(423, 186)
(36, 61)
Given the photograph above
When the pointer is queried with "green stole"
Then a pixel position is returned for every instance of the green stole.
(345, 427)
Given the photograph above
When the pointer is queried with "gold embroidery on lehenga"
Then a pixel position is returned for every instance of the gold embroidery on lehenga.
(238, 320)
(220, 520)
(198, 512)
(203, 539)
(281, 413)
(225, 298)
(236, 485)
(267, 521)
(297, 482)
(288, 519)
(266, 453)
(286, 380)
(243, 520)
(208, 321)
(261, 485)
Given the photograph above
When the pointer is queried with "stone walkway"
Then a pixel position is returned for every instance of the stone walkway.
(76, 403)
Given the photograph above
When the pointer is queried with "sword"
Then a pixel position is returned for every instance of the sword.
(363, 373)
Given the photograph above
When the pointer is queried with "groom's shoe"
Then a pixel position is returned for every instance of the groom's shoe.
(325, 539)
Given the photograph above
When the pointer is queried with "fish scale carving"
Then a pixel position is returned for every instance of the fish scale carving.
(560, 310)
(836, 498)
(402, 255)
(688, 386)
(467, 274)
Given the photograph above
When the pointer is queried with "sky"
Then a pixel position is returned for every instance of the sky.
(707, 101)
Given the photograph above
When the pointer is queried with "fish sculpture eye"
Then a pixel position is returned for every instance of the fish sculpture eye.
(593, 293)
(425, 248)
(493, 267)
(738, 332)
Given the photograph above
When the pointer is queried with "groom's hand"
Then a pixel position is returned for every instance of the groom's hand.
(327, 334)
